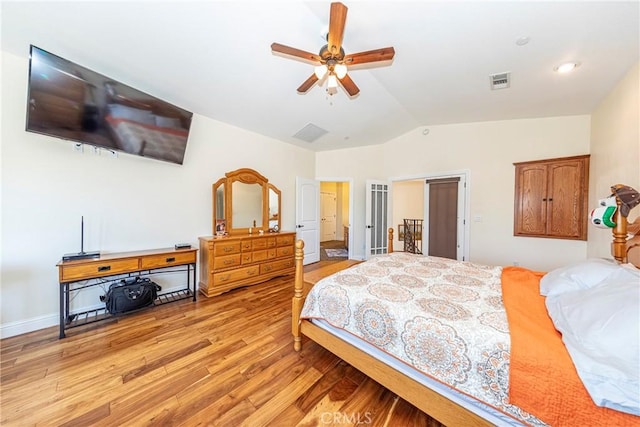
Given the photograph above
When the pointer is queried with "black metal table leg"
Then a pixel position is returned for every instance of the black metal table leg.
(63, 310)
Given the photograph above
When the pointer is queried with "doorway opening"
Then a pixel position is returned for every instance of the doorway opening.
(440, 201)
(335, 214)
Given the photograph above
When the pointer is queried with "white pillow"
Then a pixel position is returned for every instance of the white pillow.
(578, 275)
(600, 328)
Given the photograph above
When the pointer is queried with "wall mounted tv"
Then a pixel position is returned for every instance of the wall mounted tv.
(74, 103)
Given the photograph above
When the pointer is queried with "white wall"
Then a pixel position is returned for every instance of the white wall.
(488, 150)
(615, 149)
(128, 203)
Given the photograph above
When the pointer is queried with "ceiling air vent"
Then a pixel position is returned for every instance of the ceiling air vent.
(500, 80)
(310, 133)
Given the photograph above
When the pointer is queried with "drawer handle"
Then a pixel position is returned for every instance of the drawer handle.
(229, 262)
(251, 272)
(268, 268)
(228, 249)
(104, 268)
(171, 259)
(225, 278)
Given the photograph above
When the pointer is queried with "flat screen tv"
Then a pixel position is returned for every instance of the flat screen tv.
(71, 102)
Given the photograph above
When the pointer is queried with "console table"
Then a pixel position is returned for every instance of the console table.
(110, 268)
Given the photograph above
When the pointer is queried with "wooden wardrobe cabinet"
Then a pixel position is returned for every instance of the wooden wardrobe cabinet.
(229, 262)
(551, 198)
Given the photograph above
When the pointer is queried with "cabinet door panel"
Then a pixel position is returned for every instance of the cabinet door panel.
(531, 206)
(565, 202)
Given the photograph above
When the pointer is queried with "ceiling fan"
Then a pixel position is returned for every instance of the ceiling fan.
(331, 61)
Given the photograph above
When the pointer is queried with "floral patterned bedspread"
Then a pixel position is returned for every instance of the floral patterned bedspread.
(441, 316)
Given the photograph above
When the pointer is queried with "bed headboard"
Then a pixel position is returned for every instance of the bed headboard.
(625, 249)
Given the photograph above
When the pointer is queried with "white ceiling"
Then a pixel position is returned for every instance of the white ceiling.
(214, 58)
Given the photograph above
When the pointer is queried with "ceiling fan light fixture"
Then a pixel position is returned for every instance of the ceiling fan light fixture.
(340, 70)
(320, 71)
(332, 82)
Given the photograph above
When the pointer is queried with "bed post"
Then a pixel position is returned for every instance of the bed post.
(390, 240)
(619, 245)
(298, 300)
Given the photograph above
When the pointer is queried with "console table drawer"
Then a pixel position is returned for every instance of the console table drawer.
(168, 260)
(235, 275)
(98, 269)
(226, 262)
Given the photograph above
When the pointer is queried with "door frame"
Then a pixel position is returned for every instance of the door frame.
(464, 198)
(350, 182)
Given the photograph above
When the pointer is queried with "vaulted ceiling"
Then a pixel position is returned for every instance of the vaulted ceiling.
(214, 58)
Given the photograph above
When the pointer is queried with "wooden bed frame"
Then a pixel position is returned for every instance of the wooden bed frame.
(432, 403)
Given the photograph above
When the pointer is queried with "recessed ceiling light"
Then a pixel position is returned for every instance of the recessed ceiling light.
(521, 41)
(566, 67)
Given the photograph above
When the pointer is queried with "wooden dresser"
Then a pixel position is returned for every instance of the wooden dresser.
(230, 262)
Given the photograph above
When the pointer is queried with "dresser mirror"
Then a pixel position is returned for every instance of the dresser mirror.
(274, 208)
(245, 201)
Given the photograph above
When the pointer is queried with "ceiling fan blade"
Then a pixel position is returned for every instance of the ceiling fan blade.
(349, 85)
(376, 55)
(337, 21)
(308, 83)
(292, 51)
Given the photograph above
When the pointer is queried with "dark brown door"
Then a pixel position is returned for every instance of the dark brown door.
(443, 217)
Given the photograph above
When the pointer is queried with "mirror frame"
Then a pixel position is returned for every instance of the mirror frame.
(246, 176)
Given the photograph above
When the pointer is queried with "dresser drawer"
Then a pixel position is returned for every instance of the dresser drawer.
(226, 248)
(247, 257)
(275, 266)
(98, 269)
(236, 275)
(284, 251)
(167, 260)
(226, 261)
(271, 242)
(259, 244)
(285, 240)
(246, 245)
(260, 255)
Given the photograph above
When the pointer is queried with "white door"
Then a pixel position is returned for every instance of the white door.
(377, 215)
(307, 217)
(328, 206)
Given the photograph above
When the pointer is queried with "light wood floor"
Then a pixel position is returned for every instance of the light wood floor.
(225, 361)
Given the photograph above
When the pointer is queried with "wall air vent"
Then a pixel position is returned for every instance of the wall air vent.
(500, 80)
(310, 133)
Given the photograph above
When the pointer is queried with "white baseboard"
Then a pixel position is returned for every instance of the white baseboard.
(23, 326)
(19, 327)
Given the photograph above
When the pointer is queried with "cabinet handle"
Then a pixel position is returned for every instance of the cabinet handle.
(228, 261)
(171, 259)
(104, 268)
(550, 199)
(267, 268)
(228, 249)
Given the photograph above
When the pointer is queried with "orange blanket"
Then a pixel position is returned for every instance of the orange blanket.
(542, 378)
